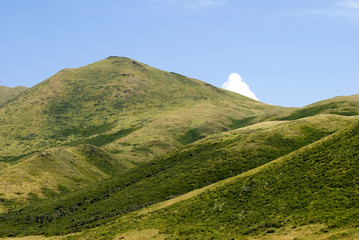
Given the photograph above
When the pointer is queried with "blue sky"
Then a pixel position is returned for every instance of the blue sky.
(289, 52)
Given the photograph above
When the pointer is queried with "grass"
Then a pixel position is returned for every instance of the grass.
(345, 106)
(322, 191)
(9, 94)
(238, 123)
(102, 102)
(308, 194)
(129, 109)
(120, 149)
(102, 139)
(197, 165)
(38, 175)
(191, 136)
(308, 232)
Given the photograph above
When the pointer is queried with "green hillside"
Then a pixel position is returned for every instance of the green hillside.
(197, 165)
(131, 109)
(311, 193)
(55, 172)
(121, 150)
(8, 94)
(345, 105)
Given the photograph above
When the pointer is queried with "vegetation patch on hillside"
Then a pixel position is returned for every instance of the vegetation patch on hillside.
(105, 138)
(343, 108)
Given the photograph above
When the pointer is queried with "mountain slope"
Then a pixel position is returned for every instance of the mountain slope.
(314, 189)
(197, 165)
(94, 144)
(131, 109)
(7, 93)
(55, 171)
(344, 105)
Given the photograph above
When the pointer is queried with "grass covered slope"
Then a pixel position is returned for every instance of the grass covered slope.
(197, 165)
(344, 105)
(130, 108)
(70, 146)
(313, 191)
(54, 172)
(7, 94)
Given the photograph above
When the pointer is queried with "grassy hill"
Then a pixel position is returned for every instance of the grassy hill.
(7, 94)
(132, 111)
(126, 107)
(344, 105)
(197, 165)
(311, 193)
(55, 172)
(121, 150)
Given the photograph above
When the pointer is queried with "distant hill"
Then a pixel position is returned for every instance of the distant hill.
(7, 93)
(345, 106)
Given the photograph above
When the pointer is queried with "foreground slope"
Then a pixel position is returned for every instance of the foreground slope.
(311, 193)
(7, 93)
(197, 165)
(131, 109)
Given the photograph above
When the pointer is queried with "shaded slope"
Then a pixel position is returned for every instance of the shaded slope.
(55, 171)
(345, 105)
(100, 101)
(317, 184)
(195, 166)
(7, 94)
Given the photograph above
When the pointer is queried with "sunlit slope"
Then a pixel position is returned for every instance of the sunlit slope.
(104, 102)
(7, 93)
(197, 165)
(311, 193)
(344, 105)
(54, 172)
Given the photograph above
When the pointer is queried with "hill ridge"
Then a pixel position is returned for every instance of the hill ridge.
(110, 95)
(150, 214)
(221, 183)
(130, 110)
(197, 165)
(8, 94)
(151, 217)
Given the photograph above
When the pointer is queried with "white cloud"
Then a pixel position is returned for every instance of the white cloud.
(236, 84)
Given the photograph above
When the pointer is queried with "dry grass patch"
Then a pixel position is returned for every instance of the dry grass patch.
(309, 232)
(148, 234)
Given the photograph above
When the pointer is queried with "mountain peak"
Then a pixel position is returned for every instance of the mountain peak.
(118, 57)
(125, 59)
(119, 93)
(115, 64)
